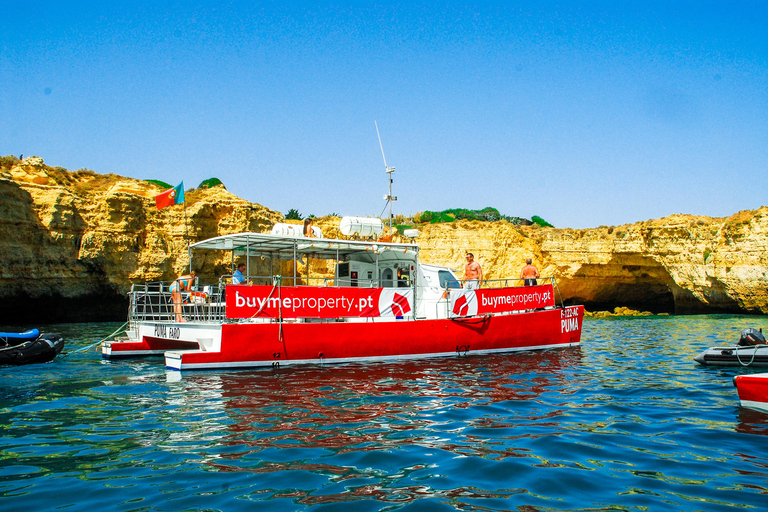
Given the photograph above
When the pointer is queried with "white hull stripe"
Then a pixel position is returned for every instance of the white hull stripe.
(128, 353)
(173, 358)
(763, 406)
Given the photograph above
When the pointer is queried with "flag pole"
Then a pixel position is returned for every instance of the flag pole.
(186, 232)
(171, 197)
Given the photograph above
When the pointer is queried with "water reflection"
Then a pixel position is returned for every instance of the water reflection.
(360, 428)
(352, 407)
(751, 421)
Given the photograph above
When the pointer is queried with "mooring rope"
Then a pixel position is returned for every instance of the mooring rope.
(98, 342)
(277, 280)
(754, 353)
(471, 320)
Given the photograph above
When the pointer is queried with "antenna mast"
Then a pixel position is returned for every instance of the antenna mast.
(389, 170)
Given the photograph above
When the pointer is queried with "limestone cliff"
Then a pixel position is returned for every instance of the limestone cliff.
(677, 264)
(71, 244)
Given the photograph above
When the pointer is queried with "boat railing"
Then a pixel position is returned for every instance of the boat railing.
(154, 301)
(228, 279)
(317, 281)
(510, 282)
(366, 283)
(517, 281)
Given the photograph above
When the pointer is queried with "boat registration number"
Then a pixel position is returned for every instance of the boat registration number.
(569, 320)
(164, 331)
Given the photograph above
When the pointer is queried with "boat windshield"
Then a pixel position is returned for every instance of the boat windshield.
(447, 280)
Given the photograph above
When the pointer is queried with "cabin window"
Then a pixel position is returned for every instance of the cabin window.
(386, 277)
(403, 278)
(447, 280)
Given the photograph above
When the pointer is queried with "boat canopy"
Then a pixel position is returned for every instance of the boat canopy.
(285, 247)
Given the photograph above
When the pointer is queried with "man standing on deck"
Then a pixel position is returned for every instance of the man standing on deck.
(529, 273)
(238, 277)
(473, 274)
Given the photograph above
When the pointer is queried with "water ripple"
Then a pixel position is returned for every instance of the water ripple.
(627, 421)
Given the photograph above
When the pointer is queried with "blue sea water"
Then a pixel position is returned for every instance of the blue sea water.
(627, 421)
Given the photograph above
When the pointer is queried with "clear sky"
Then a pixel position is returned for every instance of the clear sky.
(584, 113)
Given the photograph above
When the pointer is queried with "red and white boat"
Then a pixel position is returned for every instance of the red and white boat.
(379, 303)
(753, 390)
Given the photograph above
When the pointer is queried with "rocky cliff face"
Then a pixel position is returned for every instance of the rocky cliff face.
(677, 264)
(71, 244)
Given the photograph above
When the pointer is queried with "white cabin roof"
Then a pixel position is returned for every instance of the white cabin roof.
(282, 247)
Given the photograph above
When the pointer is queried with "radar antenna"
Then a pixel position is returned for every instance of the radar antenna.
(389, 170)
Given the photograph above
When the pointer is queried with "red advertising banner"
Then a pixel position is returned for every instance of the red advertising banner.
(310, 302)
(466, 302)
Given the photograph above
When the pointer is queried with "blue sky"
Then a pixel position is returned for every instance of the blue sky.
(586, 114)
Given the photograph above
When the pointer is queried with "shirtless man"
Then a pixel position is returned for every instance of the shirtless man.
(473, 274)
(529, 273)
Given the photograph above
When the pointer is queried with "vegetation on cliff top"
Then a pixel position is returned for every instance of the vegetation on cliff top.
(87, 179)
(488, 214)
(293, 214)
(541, 222)
(209, 183)
(160, 184)
(8, 161)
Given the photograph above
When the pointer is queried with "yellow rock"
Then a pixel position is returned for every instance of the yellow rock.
(88, 237)
(679, 263)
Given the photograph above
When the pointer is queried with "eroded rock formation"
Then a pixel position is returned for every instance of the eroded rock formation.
(71, 244)
(677, 264)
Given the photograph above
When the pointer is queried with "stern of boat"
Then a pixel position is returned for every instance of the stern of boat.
(155, 339)
(753, 390)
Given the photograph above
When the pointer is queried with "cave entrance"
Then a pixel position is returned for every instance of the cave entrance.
(633, 281)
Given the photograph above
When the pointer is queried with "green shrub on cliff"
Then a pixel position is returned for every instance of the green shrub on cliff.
(159, 183)
(487, 214)
(211, 182)
(541, 222)
(435, 217)
(518, 221)
(8, 161)
(293, 214)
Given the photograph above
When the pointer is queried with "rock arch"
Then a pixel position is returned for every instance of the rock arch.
(631, 280)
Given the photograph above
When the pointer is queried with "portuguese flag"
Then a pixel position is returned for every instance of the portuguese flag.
(170, 197)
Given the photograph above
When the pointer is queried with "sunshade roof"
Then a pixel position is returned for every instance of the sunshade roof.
(265, 244)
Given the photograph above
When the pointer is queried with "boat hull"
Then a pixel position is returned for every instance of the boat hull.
(753, 390)
(145, 348)
(156, 338)
(756, 355)
(274, 344)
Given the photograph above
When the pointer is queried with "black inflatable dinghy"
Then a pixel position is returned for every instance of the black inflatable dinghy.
(751, 350)
(29, 347)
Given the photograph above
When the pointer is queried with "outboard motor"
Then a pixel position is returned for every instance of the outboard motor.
(751, 337)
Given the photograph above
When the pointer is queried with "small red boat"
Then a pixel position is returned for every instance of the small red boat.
(753, 390)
